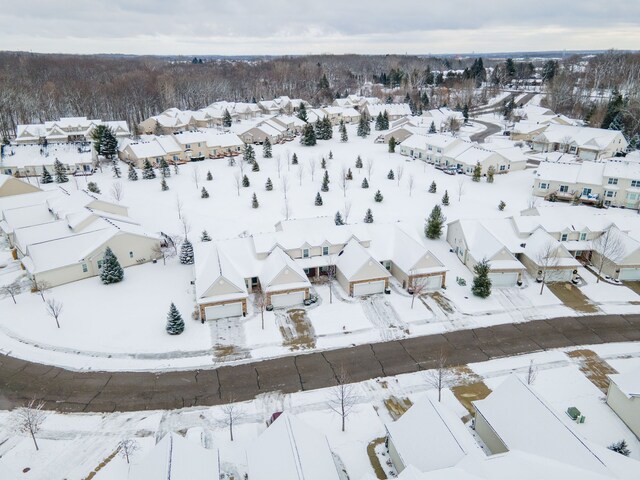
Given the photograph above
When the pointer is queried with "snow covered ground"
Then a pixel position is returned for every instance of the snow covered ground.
(121, 326)
(75, 444)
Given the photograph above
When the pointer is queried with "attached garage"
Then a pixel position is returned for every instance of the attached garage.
(287, 299)
(503, 279)
(368, 288)
(560, 275)
(629, 274)
(434, 282)
(215, 312)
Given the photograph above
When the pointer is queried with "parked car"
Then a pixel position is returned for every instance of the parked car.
(449, 170)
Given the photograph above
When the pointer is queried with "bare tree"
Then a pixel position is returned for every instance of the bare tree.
(54, 309)
(179, 206)
(399, 173)
(186, 225)
(285, 186)
(232, 413)
(440, 376)
(417, 287)
(452, 124)
(342, 398)
(331, 274)
(462, 182)
(410, 183)
(532, 373)
(344, 183)
(29, 418)
(127, 448)
(300, 173)
(117, 191)
(195, 175)
(278, 161)
(166, 249)
(40, 287)
(288, 154)
(347, 210)
(286, 209)
(237, 178)
(547, 259)
(608, 248)
(11, 290)
(260, 302)
(312, 167)
(369, 167)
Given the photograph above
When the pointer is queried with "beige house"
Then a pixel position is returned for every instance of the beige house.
(394, 111)
(547, 258)
(585, 142)
(283, 281)
(257, 134)
(621, 254)
(66, 130)
(10, 185)
(359, 273)
(623, 396)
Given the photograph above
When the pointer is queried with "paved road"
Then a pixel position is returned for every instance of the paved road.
(490, 129)
(65, 390)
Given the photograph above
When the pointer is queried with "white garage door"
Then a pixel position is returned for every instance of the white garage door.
(629, 274)
(368, 288)
(434, 282)
(222, 311)
(505, 279)
(287, 299)
(563, 275)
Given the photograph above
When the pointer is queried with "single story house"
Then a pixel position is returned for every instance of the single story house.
(545, 256)
(283, 281)
(394, 110)
(623, 396)
(359, 273)
(622, 255)
(585, 142)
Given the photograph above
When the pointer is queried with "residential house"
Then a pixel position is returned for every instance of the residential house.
(585, 142)
(441, 117)
(545, 257)
(623, 396)
(257, 134)
(359, 273)
(403, 131)
(283, 281)
(10, 185)
(292, 123)
(152, 150)
(66, 130)
(394, 111)
(622, 255)
(25, 160)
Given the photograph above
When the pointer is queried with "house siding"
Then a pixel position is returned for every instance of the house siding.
(628, 409)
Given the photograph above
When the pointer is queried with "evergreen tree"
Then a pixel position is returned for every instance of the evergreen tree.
(338, 218)
(231, 162)
(163, 184)
(248, 155)
(109, 144)
(501, 205)
(435, 223)
(318, 200)
(481, 282)
(96, 135)
(163, 166)
(226, 118)
(616, 123)
(349, 175)
(204, 193)
(368, 217)
(391, 175)
(465, 113)
(392, 145)
(116, 168)
(186, 252)
(302, 112)
(385, 121)
(491, 171)
(432, 128)
(255, 167)
(325, 182)
(205, 236)
(359, 162)
(616, 103)
(330, 155)
(60, 172)
(147, 170)
(328, 129)
(378, 197)
(93, 187)
(46, 176)
(245, 181)
(110, 271)
(379, 122)
(365, 183)
(433, 188)
(133, 175)
(268, 186)
(254, 201)
(175, 324)
(323, 164)
(308, 137)
(477, 172)
(294, 159)
(445, 198)
(343, 132)
(363, 126)
(620, 447)
(266, 148)
(209, 176)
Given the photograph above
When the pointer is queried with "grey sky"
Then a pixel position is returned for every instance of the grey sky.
(225, 27)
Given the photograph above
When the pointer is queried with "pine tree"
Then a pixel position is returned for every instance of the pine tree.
(318, 200)
(245, 181)
(294, 159)
(255, 167)
(363, 126)
(133, 175)
(248, 155)
(330, 155)
(226, 118)
(433, 188)
(432, 128)
(163, 166)
(327, 129)
(378, 197)
(116, 168)
(209, 176)
(385, 121)
(266, 148)
(269, 185)
(110, 271)
(477, 172)
(465, 113)
(491, 171)
(392, 145)
(358, 162)
(445, 198)
(365, 183)
(338, 218)
(344, 137)
(147, 170)
(205, 236)
(46, 176)
(435, 223)
(186, 252)
(308, 137)
(96, 135)
(323, 163)
(163, 184)
(616, 123)
(501, 205)
(204, 193)
(231, 161)
(481, 282)
(108, 144)
(60, 172)
(325, 182)
(93, 187)
(175, 324)
(368, 217)
(620, 447)
(254, 201)
(302, 112)
(379, 122)
(349, 175)
(391, 175)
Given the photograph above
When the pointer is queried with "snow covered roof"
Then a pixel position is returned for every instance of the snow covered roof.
(353, 257)
(50, 231)
(426, 438)
(540, 242)
(589, 173)
(480, 241)
(442, 140)
(582, 137)
(290, 450)
(415, 141)
(523, 421)
(278, 263)
(393, 109)
(628, 383)
(176, 458)
(26, 216)
(213, 264)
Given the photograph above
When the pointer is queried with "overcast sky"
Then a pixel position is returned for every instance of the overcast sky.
(246, 27)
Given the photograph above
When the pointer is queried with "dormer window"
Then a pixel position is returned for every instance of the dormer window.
(564, 237)
(583, 236)
(305, 253)
(325, 250)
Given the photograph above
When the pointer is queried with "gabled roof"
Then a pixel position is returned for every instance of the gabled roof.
(480, 242)
(540, 242)
(628, 383)
(354, 257)
(279, 262)
(213, 265)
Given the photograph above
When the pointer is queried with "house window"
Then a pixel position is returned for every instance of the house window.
(130, 254)
(610, 194)
(564, 188)
(439, 150)
(613, 181)
(586, 192)
(502, 168)
(583, 236)
(85, 269)
(430, 148)
(632, 196)
(305, 253)
(325, 250)
(564, 237)
(187, 146)
(544, 186)
(99, 264)
(635, 183)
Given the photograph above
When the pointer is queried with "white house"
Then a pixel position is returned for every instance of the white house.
(585, 142)
(394, 110)
(66, 130)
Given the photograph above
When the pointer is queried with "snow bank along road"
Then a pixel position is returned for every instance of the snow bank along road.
(65, 390)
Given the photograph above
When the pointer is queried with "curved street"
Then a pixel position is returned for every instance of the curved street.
(65, 390)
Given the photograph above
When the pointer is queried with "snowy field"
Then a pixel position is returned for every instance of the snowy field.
(121, 326)
(75, 444)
